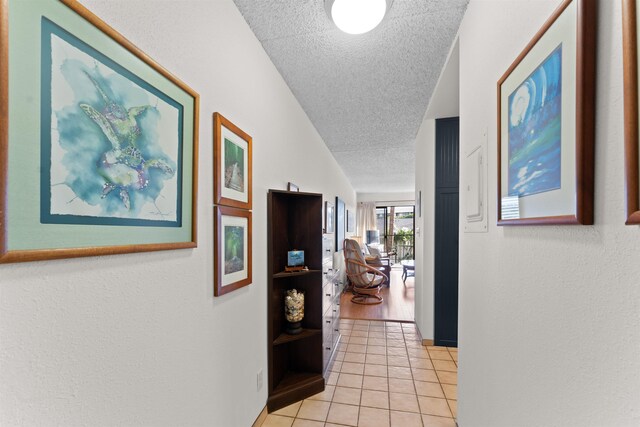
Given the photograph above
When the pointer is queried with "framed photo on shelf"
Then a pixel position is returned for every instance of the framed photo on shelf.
(232, 249)
(98, 142)
(292, 187)
(546, 117)
(329, 218)
(232, 164)
(631, 151)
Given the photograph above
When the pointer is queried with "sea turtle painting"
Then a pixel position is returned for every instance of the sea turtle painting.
(112, 140)
(123, 165)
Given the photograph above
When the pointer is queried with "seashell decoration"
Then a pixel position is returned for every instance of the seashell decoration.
(294, 305)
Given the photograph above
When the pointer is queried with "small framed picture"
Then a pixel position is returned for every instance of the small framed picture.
(351, 221)
(232, 164)
(329, 217)
(295, 259)
(292, 187)
(232, 249)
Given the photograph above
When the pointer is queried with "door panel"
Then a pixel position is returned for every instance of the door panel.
(446, 232)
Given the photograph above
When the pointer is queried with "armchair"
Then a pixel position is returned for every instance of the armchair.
(366, 279)
(375, 250)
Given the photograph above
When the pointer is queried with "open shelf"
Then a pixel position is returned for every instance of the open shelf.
(295, 361)
(306, 333)
(293, 384)
(285, 274)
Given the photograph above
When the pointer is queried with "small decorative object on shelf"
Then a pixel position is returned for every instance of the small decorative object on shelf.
(295, 261)
(294, 311)
(292, 187)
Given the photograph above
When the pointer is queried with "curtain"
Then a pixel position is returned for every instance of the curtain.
(366, 215)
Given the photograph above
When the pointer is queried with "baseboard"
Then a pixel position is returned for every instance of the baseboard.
(424, 342)
(261, 418)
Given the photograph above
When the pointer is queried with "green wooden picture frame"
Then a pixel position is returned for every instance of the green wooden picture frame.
(233, 164)
(232, 250)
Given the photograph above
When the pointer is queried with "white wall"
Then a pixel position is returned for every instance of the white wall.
(426, 183)
(549, 325)
(444, 103)
(139, 339)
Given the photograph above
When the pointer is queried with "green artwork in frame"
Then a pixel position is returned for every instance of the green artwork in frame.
(234, 259)
(98, 143)
(231, 249)
(232, 164)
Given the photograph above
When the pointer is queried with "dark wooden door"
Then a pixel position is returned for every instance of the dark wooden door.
(446, 232)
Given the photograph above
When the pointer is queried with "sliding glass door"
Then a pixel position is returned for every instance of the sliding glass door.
(396, 225)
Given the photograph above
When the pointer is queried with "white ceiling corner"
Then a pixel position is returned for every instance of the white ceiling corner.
(365, 94)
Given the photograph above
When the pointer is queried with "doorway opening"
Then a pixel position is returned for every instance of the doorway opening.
(396, 227)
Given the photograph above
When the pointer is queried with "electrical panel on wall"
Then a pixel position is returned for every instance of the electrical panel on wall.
(475, 187)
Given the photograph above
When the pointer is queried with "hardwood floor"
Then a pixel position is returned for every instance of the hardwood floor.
(398, 304)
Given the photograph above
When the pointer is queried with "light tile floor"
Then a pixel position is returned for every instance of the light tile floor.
(382, 377)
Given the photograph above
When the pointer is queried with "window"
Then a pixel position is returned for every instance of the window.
(396, 225)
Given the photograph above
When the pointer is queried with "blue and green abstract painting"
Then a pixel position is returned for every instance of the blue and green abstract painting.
(535, 130)
(111, 142)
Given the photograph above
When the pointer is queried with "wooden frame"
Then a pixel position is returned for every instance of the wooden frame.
(238, 273)
(30, 226)
(227, 191)
(580, 14)
(630, 58)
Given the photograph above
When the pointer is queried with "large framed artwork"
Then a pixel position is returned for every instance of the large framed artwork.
(232, 164)
(98, 143)
(546, 118)
(631, 151)
(232, 249)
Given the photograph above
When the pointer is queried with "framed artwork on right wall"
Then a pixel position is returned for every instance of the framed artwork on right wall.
(546, 123)
(631, 151)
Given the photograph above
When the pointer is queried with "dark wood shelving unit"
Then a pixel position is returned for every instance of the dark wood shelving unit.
(295, 361)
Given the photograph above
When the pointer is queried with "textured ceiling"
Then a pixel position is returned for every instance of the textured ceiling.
(365, 94)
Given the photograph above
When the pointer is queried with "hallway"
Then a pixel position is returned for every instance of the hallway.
(382, 377)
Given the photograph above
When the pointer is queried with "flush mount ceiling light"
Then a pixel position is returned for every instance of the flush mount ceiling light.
(357, 16)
